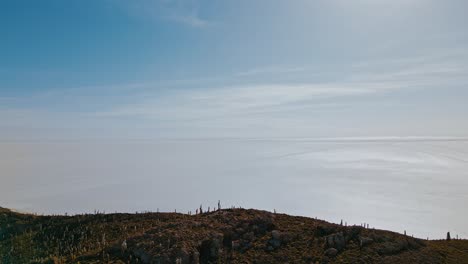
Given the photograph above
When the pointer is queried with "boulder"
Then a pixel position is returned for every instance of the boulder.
(210, 250)
(331, 252)
(275, 234)
(274, 243)
(352, 233)
(278, 239)
(248, 236)
(392, 248)
(323, 230)
(182, 255)
(235, 244)
(364, 241)
(144, 256)
(336, 241)
(195, 257)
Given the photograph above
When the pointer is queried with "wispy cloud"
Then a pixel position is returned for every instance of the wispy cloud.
(182, 12)
(230, 101)
(271, 70)
(365, 79)
(259, 103)
(433, 70)
(191, 20)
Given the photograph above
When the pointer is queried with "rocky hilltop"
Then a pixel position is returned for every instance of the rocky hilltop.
(222, 236)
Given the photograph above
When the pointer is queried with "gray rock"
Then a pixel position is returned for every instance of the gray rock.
(393, 247)
(274, 243)
(331, 252)
(235, 245)
(195, 257)
(183, 256)
(248, 236)
(210, 250)
(364, 241)
(275, 234)
(142, 255)
(277, 239)
(336, 241)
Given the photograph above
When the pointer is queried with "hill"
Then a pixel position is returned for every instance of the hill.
(224, 236)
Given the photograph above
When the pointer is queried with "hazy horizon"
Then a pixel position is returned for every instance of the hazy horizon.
(413, 185)
(353, 110)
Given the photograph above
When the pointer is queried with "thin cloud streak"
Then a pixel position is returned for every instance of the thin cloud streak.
(225, 106)
(245, 99)
(182, 12)
(271, 70)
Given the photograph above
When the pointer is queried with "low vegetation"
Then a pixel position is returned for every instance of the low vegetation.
(221, 236)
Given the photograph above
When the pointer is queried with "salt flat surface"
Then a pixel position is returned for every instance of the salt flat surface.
(418, 185)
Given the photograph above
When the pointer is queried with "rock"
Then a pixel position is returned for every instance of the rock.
(324, 230)
(235, 244)
(195, 257)
(274, 243)
(164, 258)
(278, 239)
(262, 224)
(284, 237)
(183, 256)
(416, 243)
(392, 248)
(336, 241)
(209, 251)
(379, 238)
(142, 255)
(248, 236)
(228, 238)
(364, 241)
(239, 231)
(331, 252)
(352, 233)
(245, 245)
(276, 234)
(325, 260)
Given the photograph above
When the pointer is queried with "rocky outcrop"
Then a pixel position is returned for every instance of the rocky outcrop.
(336, 241)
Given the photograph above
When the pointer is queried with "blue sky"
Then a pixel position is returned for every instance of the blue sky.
(149, 69)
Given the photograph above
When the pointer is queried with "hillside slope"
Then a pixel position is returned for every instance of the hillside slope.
(225, 236)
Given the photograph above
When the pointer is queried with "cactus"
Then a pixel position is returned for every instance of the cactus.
(124, 246)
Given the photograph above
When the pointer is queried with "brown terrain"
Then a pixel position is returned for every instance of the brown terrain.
(222, 236)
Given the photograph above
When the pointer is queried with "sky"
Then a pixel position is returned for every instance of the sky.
(133, 105)
(115, 69)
